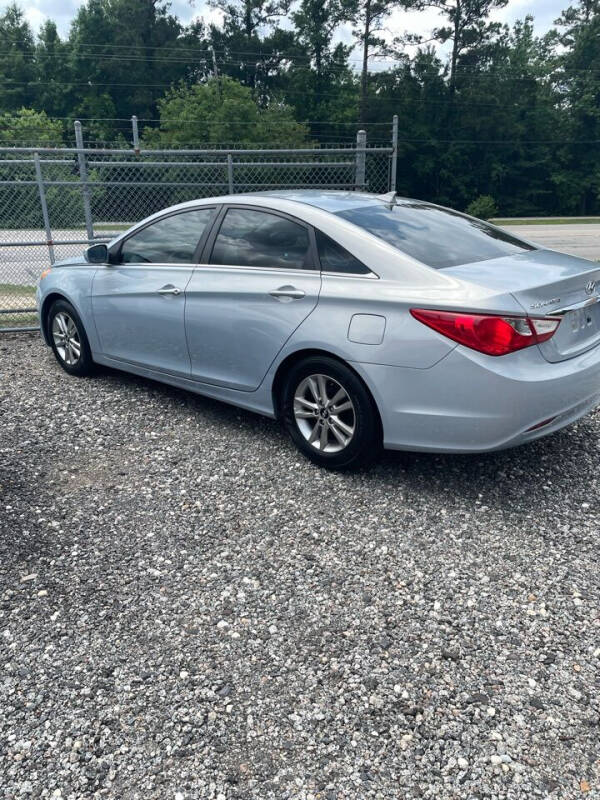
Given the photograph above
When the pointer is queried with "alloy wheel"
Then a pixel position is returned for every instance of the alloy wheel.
(66, 338)
(324, 413)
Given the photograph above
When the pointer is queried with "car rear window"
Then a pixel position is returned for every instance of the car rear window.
(436, 236)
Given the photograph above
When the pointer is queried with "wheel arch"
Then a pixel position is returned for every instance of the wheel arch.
(299, 355)
(50, 298)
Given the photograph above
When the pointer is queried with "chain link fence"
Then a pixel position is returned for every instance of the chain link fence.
(56, 201)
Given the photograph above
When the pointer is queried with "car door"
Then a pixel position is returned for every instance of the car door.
(258, 280)
(139, 300)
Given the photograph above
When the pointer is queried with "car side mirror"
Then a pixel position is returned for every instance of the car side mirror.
(97, 254)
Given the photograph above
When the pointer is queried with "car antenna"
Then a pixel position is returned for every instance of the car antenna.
(389, 198)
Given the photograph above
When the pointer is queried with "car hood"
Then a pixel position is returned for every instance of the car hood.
(66, 262)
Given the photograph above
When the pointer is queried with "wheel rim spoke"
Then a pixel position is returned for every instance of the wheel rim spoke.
(314, 433)
(343, 440)
(337, 397)
(314, 390)
(323, 439)
(342, 407)
(349, 431)
(307, 403)
(301, 413)
(322, 389)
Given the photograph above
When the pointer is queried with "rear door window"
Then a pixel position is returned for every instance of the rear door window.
(250, 238)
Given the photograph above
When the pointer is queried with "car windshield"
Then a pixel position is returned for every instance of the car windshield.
(436, 236)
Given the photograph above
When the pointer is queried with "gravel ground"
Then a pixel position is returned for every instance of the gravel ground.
(188, 609)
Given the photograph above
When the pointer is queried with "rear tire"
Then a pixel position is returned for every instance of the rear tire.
(68, 339)
(330, 415)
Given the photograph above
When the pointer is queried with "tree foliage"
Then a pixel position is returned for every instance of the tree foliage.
(503, 113)
(29, 127)
(483, 207)
(221, 110)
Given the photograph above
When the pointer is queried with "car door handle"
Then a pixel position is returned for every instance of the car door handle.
(169, 289)
(287, 293)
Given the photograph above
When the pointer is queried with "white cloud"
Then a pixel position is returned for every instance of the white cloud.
(35, 17)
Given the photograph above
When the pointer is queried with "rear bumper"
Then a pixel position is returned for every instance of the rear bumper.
(470, 403)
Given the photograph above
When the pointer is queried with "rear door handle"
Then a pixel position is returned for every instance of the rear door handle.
(287, 293)
(169, 289)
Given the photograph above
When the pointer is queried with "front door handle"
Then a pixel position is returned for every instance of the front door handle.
(169, 289)
(285, 293)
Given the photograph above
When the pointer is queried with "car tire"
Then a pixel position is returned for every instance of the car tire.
(330, 414)
(68, 339)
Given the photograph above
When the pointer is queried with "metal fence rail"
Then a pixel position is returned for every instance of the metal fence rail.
(55, 201)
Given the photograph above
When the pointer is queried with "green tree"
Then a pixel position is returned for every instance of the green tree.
(98, 110)
(468, 26)
(369, 17)
(251, 46)
(130, 49)
(221, 111)
(30, 127)
(17, 60)
(319, 82)
(577, 177)
(483, 207)
(250, 16)
(52, 71)
(501, 123)
(315, 23)
(417, 92)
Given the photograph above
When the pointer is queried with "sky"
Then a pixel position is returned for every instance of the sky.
(543, 11)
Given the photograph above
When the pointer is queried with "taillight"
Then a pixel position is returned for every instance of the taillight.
(489, 333)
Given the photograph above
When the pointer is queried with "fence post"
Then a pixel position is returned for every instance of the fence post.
(394, 153)
(230, 172)
(44, 205)
(136, 135)
(85, 189)
(361, 148)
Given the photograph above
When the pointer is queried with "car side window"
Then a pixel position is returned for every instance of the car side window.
(171, 240)
(250, 238)
(335, 258)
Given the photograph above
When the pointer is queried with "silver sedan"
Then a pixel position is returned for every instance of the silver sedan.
(360, 321)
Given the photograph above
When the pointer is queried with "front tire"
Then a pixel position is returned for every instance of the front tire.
(68, 339)
(330, 415)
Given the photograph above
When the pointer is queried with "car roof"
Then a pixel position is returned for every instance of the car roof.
(332, 201)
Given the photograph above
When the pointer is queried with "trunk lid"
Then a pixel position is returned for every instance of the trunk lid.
(545, 282)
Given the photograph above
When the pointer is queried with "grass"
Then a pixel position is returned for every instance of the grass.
(13, 296)
(548, 221)
(118, 226)
(18, 320)
(15, 290)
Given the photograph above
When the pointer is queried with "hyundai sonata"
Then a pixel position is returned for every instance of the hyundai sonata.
(360, 321)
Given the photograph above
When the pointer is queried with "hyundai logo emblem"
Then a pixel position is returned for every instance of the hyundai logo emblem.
(590, 286)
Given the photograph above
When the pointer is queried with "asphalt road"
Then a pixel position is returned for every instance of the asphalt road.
(22, 266)
(577, 240)
(189, 610)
